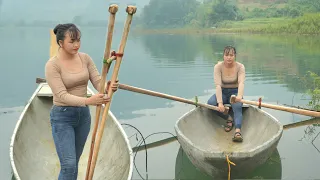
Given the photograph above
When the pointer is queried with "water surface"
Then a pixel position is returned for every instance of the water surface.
(180, 65)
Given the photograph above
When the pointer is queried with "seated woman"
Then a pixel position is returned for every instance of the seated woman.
(229, 77)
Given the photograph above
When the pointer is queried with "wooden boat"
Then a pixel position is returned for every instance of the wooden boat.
(202, 137)
(32, 151)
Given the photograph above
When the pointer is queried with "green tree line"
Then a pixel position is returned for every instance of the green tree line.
(211, 13)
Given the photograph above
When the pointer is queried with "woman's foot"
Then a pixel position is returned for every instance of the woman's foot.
(229, 125)
(237, 136)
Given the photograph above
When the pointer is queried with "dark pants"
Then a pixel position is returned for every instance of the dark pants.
(70, 129)
(236, 107)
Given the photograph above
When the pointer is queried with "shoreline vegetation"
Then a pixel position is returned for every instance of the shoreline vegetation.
(230, 16)
(268, 18)
(308, 24)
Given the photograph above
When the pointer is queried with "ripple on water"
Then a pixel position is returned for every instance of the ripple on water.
(4, 111)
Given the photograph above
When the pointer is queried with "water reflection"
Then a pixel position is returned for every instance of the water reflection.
(311, 132)
(268, 59)
(271, 169)
(179, 65)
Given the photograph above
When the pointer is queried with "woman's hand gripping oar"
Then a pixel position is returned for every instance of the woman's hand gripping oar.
(277, 107)
(130, 10)
(113, 9)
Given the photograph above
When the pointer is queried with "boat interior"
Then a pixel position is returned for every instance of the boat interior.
(33, 153)
(205, 129)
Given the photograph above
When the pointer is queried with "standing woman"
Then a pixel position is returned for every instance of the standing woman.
(229, 78)
(68, 74)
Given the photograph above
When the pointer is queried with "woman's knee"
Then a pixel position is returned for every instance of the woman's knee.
(237, 106)
(212, 100)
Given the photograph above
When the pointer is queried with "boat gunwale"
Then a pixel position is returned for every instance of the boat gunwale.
(238, 154)
(26, 107)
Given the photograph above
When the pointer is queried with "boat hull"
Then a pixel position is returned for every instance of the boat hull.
(33, 154)
(202, 137)
(271, 169)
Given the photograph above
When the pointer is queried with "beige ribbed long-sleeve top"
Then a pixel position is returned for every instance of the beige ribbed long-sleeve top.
(235, 80)
(69, 88)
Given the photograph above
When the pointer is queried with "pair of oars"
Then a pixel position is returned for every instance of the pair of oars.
(305, 112)
(232, 100)
(113, 9)
(97, 136)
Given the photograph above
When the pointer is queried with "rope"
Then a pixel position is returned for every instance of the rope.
(260, 99)
(196, 101)
(229, 162)
(113, 53)
(108, 61)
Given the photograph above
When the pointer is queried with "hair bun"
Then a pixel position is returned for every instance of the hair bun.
(55, 30)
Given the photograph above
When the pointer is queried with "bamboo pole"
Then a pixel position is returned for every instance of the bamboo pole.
(166, 96)
(113, 9)
(277, 107)
(302, 123)
(131, 10)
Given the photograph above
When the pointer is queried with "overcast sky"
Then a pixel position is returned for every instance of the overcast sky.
(65, 10)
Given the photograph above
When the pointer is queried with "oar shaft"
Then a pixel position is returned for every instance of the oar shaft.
(155, 144)
(166, 96)
(283, 108)
(153, 93)
(302, 123)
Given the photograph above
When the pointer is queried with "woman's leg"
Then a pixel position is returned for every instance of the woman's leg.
(82, 131)
(237, 110)
(213, 101)
(64, 140)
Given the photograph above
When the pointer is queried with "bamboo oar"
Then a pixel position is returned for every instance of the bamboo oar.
(113, 9)
(155, 144)
(131, 10)
(158, 94)
(277, 107)
(166, 96)
(302, 123)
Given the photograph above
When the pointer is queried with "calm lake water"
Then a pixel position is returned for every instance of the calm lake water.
(180, 65)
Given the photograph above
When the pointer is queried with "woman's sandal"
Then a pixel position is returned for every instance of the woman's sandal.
(227, 127)
(237, 138)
